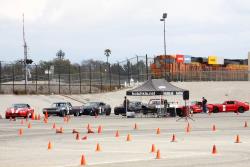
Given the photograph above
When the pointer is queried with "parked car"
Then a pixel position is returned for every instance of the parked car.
(229, 106)
(135, 106)
(96, 108)
(19, 110)
(153, 106)
(62, 109)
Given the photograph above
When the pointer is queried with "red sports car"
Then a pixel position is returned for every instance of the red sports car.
(196, 107)
(229, 106)
(19, 110)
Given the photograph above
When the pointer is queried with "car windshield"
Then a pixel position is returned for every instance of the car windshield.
(155, 102)
(134, 103)
(54, 105)
(92, 104)
(19, 105)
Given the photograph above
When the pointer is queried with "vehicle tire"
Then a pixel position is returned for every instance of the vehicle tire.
(116, 112)
(215, 110)
(241, 110)
(7, 117)
(63, 113)
(108, 112)
(77, 114)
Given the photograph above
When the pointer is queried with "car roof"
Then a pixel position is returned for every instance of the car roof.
(60, 102)
(20, 103)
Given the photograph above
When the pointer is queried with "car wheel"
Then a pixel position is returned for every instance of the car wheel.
(108, 112)
(215, 110)
(7, 117)
(63, 113)
(77, 114)
(240, 109)
(116, 113)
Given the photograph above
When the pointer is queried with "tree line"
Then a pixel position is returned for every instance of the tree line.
(61, 65)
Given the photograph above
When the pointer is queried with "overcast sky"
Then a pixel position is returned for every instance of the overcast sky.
(83, 29)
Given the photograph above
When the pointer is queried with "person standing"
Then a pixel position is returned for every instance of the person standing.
(126, 104)
(204, 105)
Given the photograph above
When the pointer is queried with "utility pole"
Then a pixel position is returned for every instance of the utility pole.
(25, 56)
(164, 16)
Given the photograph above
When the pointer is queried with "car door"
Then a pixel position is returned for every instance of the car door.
(196, 107)
(230, 106)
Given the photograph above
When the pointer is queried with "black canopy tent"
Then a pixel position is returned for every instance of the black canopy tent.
(155, 87)
(158, 87)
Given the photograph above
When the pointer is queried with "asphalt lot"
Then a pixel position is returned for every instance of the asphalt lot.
(190, 149)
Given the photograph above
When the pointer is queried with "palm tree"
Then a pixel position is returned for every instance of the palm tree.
(107, 53)
(60, 55)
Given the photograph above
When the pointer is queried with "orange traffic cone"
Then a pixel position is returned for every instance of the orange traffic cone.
(245, 126)
(33, 116)
(158, 154)
(46, 115)
(173, 138)
(54, 126)
(214, 151)
(75, 131)
(188, 128)
(99, 129)
(49, 146)
(77, 136)
(20, 132)
(83, 161)
(88, 127)
(85, 138)
(135, 127)
(29, 125)
(128, 137)
(117, 134)
(38, 117)
(22, 122)
(158, 131)
(153, 148)
(214, 128)
(98, 148)
(90, 131)
(61, 129)
(58, 131)
(237, 139)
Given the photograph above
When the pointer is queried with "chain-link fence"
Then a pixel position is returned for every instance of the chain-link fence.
(98, 77)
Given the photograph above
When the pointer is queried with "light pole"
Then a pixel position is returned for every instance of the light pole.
(164, 16)
(107, 53)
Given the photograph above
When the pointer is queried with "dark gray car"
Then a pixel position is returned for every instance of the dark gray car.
(62, 109)
(96, 108)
